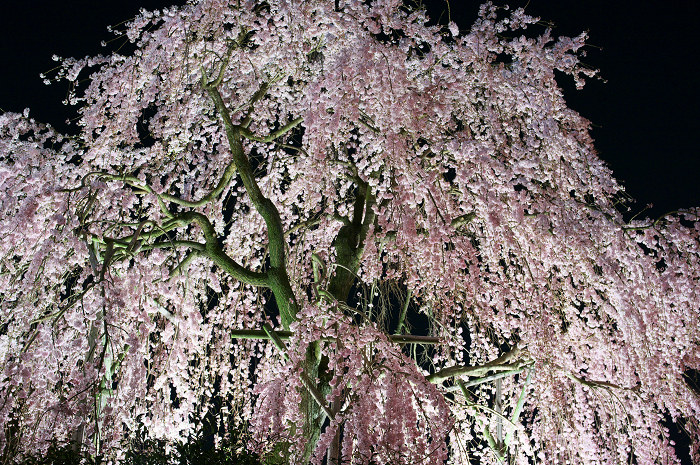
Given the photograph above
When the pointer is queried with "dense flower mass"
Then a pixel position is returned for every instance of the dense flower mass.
(388, 410)
(319, 175)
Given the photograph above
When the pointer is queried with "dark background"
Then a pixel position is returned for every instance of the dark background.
(644, 111)
(645, 116)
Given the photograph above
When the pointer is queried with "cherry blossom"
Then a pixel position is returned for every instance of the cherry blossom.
(261, 199)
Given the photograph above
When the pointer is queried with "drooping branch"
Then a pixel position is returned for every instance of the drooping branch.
(518, 406)
(402, 315)
(595, 383)
(224, 181)
(511, 360)
(129, 180)
(659, 220)
(181, 267)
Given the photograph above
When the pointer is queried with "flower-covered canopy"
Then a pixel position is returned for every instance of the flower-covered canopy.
(320, 170)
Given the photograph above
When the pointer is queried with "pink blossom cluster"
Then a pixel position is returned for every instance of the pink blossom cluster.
(386, 409)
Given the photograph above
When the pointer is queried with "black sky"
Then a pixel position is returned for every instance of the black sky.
(645, 117)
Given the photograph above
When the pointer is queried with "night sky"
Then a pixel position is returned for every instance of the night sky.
(645, 112)
(645, 115)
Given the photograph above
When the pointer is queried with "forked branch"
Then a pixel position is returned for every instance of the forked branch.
(277, 278)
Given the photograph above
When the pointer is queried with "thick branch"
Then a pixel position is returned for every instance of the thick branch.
(214, 251)
(260, 93)
(274, 135)
(262, 204)
(286, 335)
(134, 241)
(349, 243)
(506, 362)
(173, 244)
(278, 279)
(486, 379)
(210, 249)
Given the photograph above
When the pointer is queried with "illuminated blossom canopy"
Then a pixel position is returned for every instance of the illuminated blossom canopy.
(264, 196)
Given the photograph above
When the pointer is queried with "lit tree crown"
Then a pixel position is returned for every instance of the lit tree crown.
(257, 165)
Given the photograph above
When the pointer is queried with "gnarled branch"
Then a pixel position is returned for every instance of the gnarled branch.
(511, 360)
